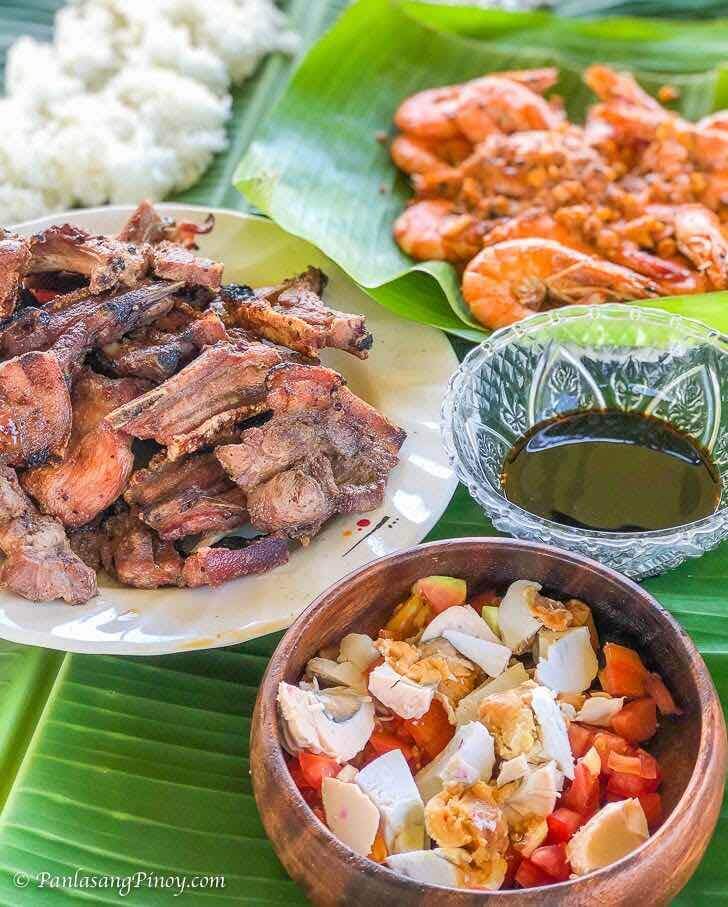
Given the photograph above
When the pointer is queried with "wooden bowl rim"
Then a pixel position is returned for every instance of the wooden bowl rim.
(709, 768)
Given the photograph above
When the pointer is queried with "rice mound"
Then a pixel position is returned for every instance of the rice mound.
(130, 100)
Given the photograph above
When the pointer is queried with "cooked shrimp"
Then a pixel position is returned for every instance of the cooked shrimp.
(610, 86)
(418, 155)
(699, 237)
(475, 109)
(511, 280)
(433, 229)
(538, 80)
(535, 223)
(718, 120)
(548, 168)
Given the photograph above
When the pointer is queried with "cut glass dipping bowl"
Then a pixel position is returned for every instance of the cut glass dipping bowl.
(591, 357)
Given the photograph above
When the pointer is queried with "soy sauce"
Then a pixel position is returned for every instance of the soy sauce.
(611, 471)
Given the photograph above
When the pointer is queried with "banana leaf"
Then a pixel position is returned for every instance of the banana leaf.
(317, 167)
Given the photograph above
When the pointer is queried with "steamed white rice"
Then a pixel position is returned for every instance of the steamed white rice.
(130, 100)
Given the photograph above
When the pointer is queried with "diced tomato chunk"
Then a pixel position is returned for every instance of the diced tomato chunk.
(583, 794)
(637, 721)
(528, 875)
(433, 731)
(580, 738)
(630, 785)
(652, 807)
(650, 766)
(315, 768)
(562, 824)
(627, 765)
(656, 689)
(552, 859)
(301, 782)
(382, 742)
(624, 674)
(605, 743)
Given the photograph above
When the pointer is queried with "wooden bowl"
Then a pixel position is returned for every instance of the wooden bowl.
(691, 749)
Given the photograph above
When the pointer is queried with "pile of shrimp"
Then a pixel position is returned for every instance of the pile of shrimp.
(537, 212)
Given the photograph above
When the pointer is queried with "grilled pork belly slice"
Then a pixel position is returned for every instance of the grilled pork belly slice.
(222, 380)
(97, 320)
(137, 556)
(187, 497)
(39, 563)
(214, 566)
(14, 261)
(106, 262)
(171, 261)
(325, 451)
(157, 355)
(294, 315)
(99, 459)
(35, 410)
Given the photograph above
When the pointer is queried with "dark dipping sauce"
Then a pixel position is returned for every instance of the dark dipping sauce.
(611, 471)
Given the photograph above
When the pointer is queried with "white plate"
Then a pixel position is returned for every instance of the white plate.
(404, 377)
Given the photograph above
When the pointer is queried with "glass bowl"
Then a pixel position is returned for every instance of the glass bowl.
(591, 357)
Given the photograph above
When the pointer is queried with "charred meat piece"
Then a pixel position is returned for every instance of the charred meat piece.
(146, 225)
(14, 262)
(294, 315)
(297, 501)
(213, 566)
(137, 556)
(98, 319)
(99, 459)
(194, 510)
(312, 413)
(157, 355)
(86, 543)
(187, 497)
(39, 563)
(173, 262)
(221, 380)
(35, 410)
(325, 451)
(106, 262)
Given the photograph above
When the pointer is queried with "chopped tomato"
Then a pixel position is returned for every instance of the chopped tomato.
(552, 859)
(562, 824)
(652, 807)
(656, 689)
(315, 768)
(580, 738)
(627, 765)
(583, 794)
(606, 743)
(637, 721)
(486, 597)
(382, 742)
(641, 764)
(301, 782)
(528, 875)
(624, 673)
(379, 851)
(433, 731)
(630, 785)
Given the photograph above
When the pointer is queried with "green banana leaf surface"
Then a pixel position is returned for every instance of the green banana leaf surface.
(112, 766)
(319, 167)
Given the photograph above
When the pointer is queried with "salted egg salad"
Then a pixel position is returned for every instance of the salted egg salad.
(480, 741)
